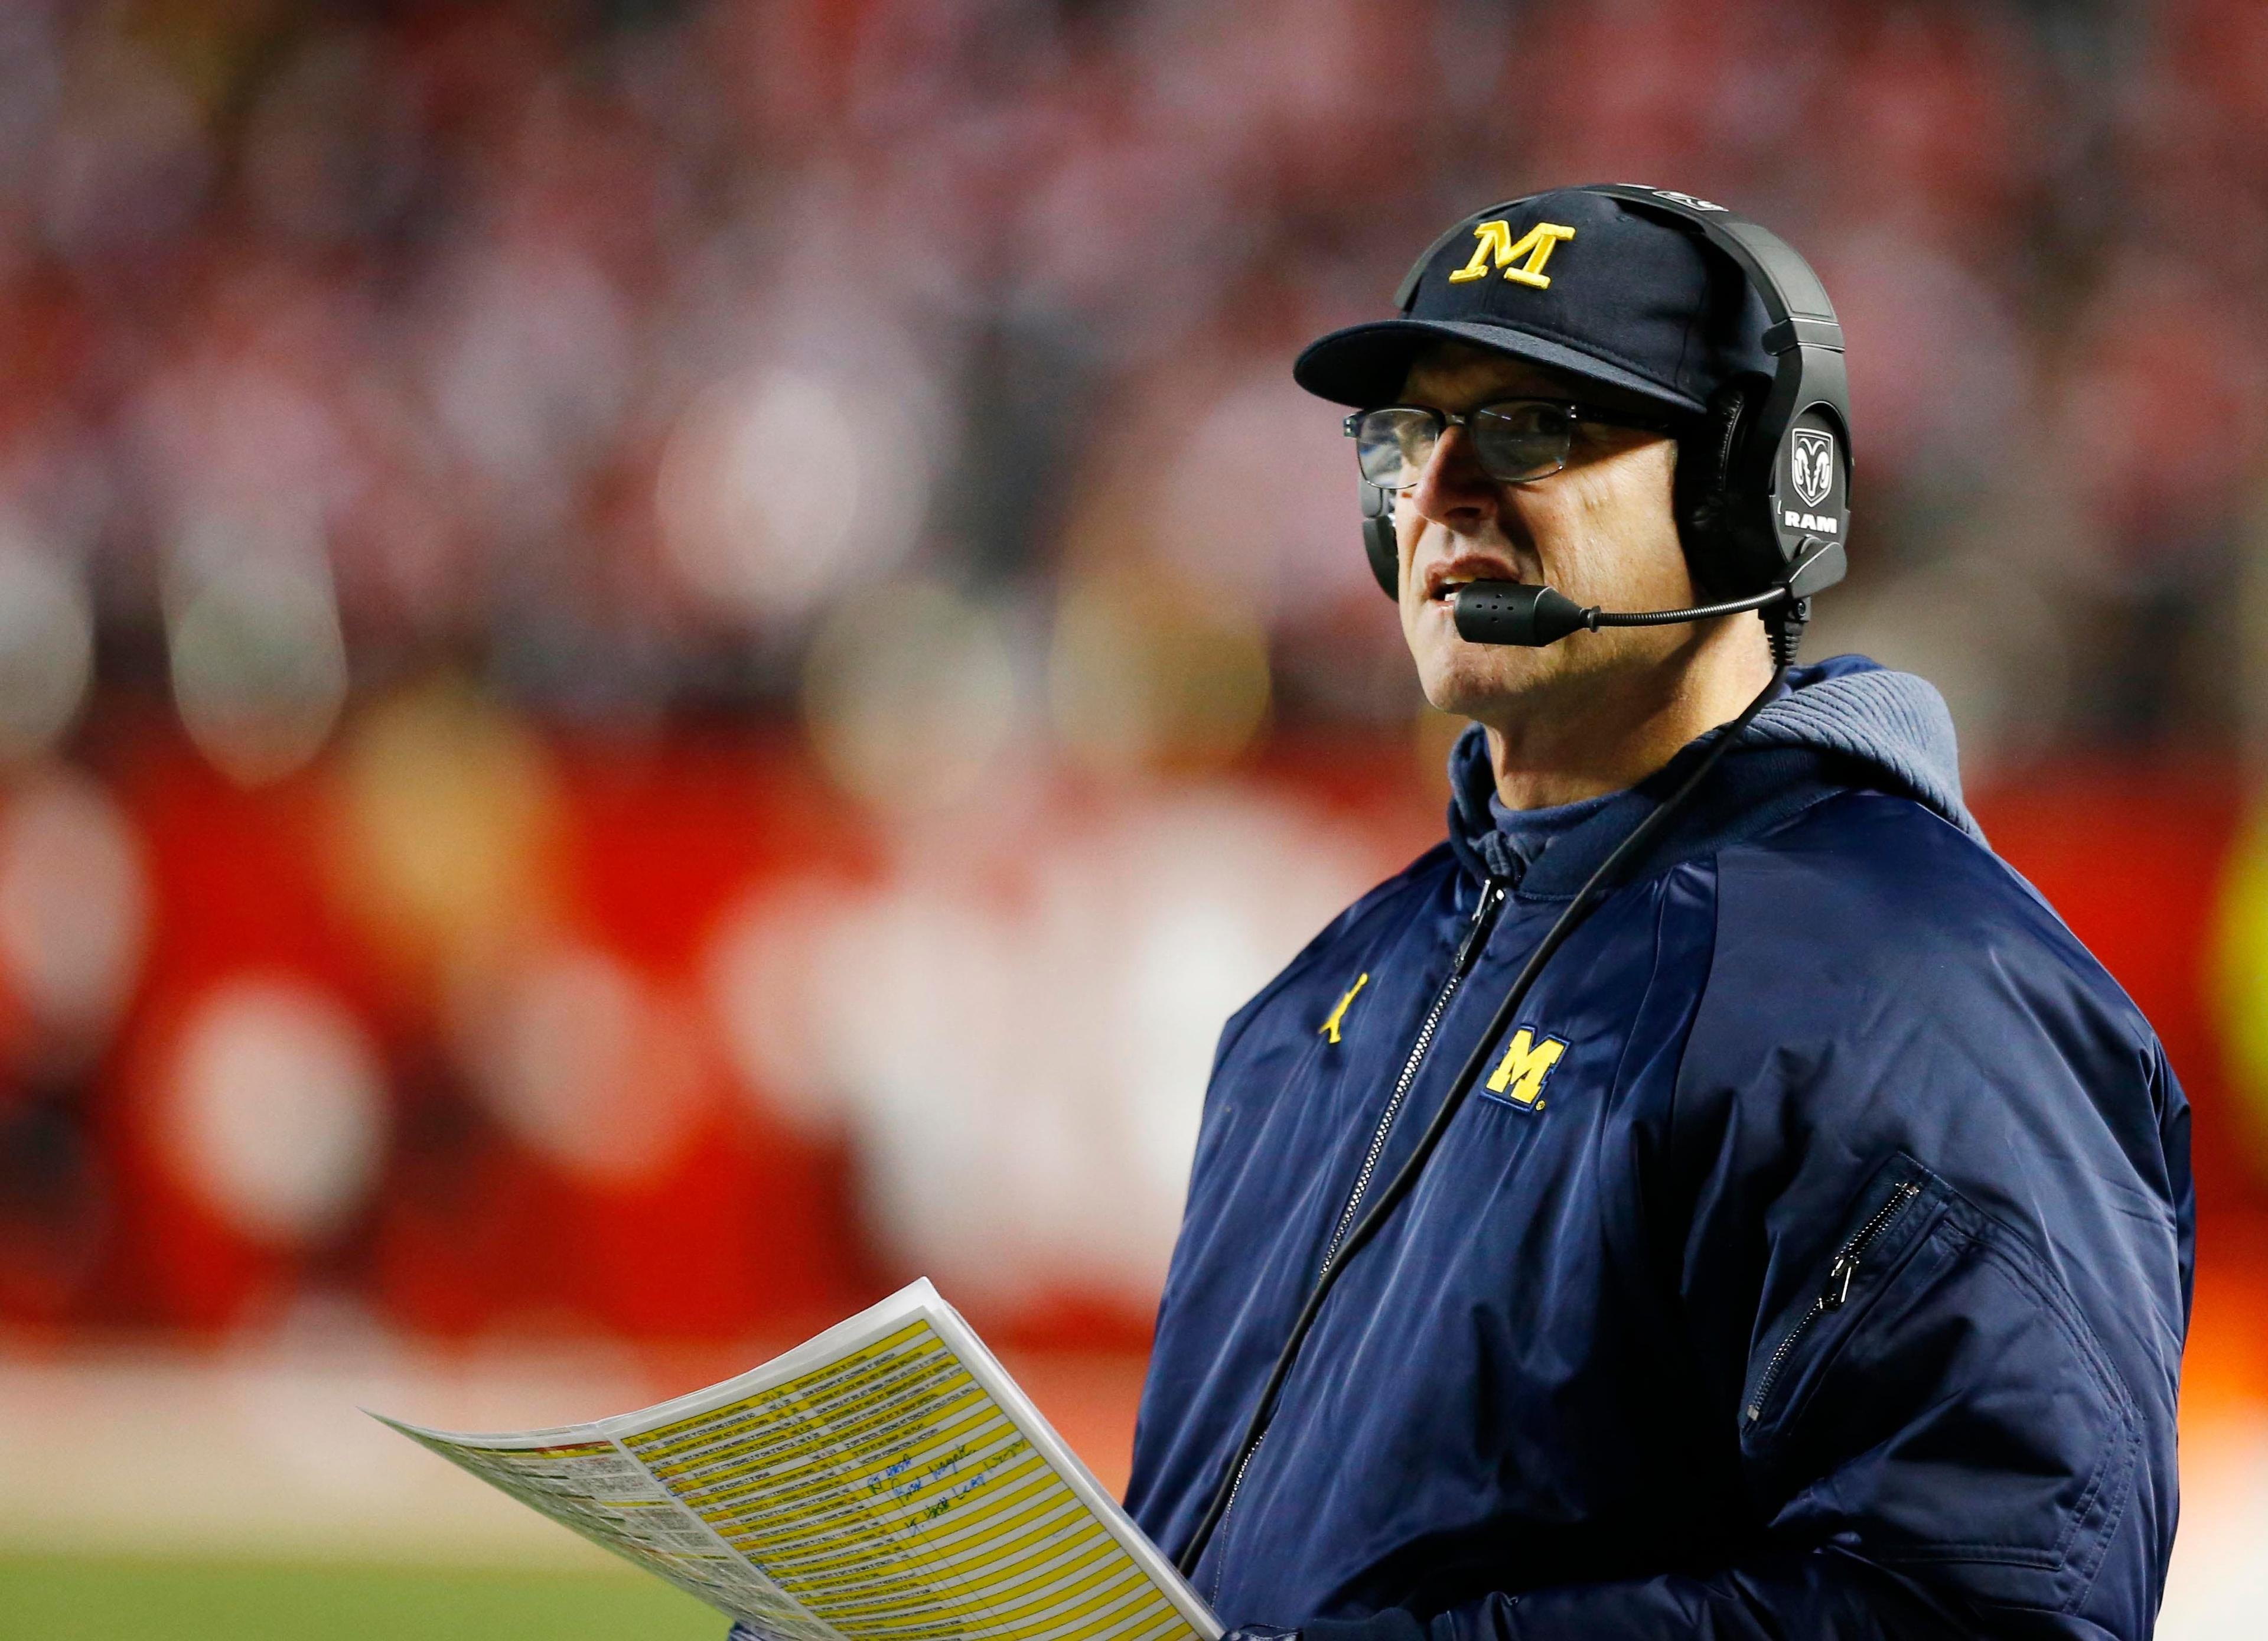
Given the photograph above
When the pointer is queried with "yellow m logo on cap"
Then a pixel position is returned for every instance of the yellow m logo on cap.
(1519, 1076)
(1521, 259)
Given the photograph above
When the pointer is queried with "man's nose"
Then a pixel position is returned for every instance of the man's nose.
(1451, 490)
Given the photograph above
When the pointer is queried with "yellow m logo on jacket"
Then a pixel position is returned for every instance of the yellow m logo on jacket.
(1520, 1075)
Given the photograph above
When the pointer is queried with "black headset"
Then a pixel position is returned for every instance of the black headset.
(1764, 481)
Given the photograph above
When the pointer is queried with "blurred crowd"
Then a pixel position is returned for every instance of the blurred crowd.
(615, 348)
(431, 430)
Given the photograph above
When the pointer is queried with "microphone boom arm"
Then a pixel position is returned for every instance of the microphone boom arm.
(1599, 618)
(1533, 615)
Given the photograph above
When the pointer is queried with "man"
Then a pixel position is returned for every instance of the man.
(1816, 1259)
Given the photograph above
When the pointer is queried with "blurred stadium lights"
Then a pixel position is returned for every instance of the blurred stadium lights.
(585, 1064)
(277, 1114)
(2240, 976)
(2164, 422)
(447, 830)
(130, 160)
(1153, 671)
(74, 903)
(46, 649)
(1981, 630)
(1022, 1094)
(528, 371)
(782, 487)
(1257, 498)
(910, 696)
(331, 147)
(259, 662)
(774, 954)
(1936, 357)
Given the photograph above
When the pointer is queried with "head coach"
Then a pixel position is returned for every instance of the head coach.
(1710, 1194)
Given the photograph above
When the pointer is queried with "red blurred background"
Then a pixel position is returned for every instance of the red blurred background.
(615, 1157)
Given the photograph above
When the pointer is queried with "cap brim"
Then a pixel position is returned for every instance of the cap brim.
(1365, 365)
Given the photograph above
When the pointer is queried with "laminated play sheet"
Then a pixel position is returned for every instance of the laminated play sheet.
(885, 1481)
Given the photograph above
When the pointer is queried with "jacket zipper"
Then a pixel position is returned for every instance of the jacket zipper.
(1477, 933)
(1840, 1270)
(1469, 949)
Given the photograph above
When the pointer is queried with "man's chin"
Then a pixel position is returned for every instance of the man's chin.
(1485, 684)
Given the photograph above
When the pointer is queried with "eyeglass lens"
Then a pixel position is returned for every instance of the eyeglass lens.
(1513, 441)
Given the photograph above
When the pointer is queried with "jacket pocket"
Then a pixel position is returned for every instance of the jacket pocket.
(1876, 1235)
(1953, 1407)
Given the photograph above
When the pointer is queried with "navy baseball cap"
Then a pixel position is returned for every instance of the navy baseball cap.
(1581, 282)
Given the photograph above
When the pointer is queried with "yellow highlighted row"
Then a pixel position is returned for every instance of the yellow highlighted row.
(1053, 1561)
(951, 1421)
(762, 1442)
(664, 1436)
(793, 1500)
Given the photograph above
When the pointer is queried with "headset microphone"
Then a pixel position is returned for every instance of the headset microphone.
(1531, 615)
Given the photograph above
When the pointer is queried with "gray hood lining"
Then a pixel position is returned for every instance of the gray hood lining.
(1894, 721)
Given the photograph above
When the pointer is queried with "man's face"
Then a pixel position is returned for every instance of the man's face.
(1602, 530)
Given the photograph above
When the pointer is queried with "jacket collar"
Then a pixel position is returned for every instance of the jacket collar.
(1840, 725)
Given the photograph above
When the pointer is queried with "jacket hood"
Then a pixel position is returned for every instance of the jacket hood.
(1842, 723)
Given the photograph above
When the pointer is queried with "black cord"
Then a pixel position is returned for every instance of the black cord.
(1405, 1178)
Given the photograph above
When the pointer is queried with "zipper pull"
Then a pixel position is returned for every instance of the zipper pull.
(1847, 1262)
(1476, 930)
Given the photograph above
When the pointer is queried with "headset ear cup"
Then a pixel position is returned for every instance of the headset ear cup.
(1377, 541)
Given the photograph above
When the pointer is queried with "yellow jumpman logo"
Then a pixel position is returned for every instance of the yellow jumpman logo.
(1330, 1027)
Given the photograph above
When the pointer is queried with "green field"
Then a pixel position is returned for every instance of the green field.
(63, 1598)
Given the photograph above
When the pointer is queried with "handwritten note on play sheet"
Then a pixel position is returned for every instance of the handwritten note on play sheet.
(885, 1481)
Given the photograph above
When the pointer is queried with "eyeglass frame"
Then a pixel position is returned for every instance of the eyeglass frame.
(1576, 415)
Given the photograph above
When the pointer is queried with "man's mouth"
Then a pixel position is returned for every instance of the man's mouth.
(1442, 585)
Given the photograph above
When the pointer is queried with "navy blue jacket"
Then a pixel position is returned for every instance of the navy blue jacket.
(1815, 1263)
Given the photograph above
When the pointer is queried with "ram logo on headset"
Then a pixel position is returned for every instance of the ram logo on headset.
(1814, 465)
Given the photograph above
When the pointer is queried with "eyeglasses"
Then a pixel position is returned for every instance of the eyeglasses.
(1515, 441)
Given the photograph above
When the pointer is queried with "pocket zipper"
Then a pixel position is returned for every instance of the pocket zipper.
(1840, 1270)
